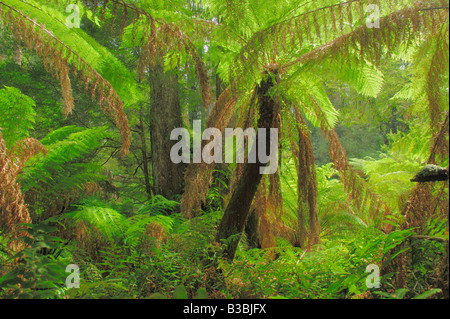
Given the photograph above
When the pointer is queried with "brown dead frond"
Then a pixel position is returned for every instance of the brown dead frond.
(13, 210)
(25, 149)
(198, 177)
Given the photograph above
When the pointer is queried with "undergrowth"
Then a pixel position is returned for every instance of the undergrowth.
(168, 257)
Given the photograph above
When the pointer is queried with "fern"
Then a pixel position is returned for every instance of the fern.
(366, 80)
(108, 221)
(60, 46)
(157, 206)
(389, 177)
(65, 171)
(153, 213)
(17, 115)
(140, 223)
(65, 146)
(307, 90)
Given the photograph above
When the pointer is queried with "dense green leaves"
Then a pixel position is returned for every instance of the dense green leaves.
(65, 146)
(380, 93)
(17, 115)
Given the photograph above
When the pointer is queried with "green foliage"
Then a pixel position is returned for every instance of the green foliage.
(336, 73)
(17, 115)
(367, 80)
(39, 276)
(389, 177)
(400, 294)
(158, 205)
(64, 168)
(76, 39)
(104, 219)
(336, 270)
(336, 217)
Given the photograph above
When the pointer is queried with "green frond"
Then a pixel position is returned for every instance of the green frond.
(139, 224)
(340, 224)
(158, 205)
(109, 222)
(309, 93)
(367, 80)
(43, 29)
(389, 177)
(17, 115)
(58, 169)
(60, 134)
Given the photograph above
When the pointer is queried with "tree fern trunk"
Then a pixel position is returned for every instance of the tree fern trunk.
(238, 208)
(165, 115)
(307, 186)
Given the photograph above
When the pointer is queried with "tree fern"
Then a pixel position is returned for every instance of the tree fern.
(158, 205)
(389, 177)
(60, 47)
(17, 115)
(140, 224)
(308, 92)
(108, 221)
(63, 173)
(367, 80)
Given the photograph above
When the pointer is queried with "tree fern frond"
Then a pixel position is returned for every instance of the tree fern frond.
(158, 205)
(340, 224)
(366, 80)
(17, 115)
(307, 90)
(62, 148)
(139, 225)
(397, 27)
(60, 134)
(109, 222)
(59, 47)
(62, 174)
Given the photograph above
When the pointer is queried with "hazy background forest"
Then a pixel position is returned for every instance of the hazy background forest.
(92, 206)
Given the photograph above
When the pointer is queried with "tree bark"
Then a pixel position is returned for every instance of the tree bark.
(251, 230)
(144, 154)
(307, 187)
(165, 115)
(238, 208)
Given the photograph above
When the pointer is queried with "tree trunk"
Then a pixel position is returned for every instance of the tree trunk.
(251, 230)
(238, 208)
(307, 186)
(144, 155)
(165, 115)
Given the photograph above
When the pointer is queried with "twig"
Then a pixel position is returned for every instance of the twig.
(302, 256)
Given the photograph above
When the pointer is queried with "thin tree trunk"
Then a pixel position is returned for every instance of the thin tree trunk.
(237, 211)
(165, 115)
(144, 155)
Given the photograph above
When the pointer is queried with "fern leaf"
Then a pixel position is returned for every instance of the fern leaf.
(60, 46)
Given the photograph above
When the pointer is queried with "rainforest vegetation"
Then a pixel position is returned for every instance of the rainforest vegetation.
(93, 206)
